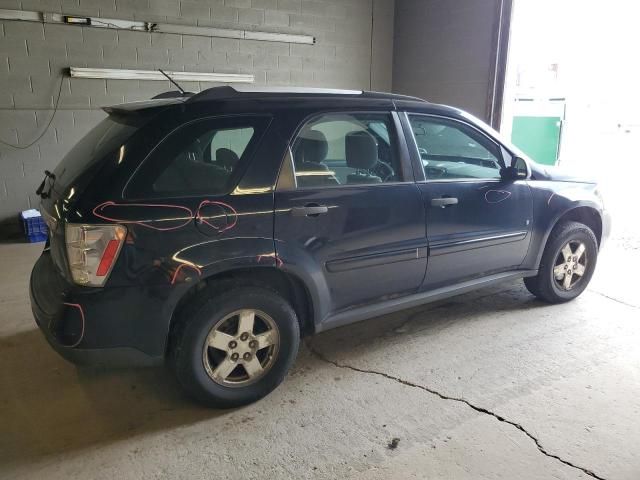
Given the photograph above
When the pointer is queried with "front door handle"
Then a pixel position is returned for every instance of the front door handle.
(444, 202)
(309, 210)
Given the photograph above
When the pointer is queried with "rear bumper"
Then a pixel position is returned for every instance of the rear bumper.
(70, 324)
(101, 357)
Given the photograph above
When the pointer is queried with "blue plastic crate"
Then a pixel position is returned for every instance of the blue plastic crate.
(34, 228)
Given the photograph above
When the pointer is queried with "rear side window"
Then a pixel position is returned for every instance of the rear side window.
(200, 158)
(346, 149)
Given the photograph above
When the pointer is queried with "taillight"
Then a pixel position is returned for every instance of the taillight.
(92, 251)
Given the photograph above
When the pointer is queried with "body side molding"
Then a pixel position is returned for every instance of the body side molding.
(357, 314)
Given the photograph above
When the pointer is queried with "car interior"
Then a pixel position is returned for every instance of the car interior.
(448, 153)
(206, 164)
(343, 150)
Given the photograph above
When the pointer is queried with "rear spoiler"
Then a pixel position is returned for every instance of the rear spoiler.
(145, 106)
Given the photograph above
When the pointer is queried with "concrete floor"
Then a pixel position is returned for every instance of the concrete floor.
(493, 384)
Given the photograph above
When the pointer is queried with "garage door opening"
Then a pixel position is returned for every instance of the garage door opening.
(571, 96)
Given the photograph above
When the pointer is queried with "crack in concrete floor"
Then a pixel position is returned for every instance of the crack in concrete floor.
(622, 302)
(463, 401)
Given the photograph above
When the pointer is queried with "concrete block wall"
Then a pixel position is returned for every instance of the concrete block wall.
(445, 51)
(353, 50)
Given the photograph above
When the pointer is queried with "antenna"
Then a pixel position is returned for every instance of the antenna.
(172, 81)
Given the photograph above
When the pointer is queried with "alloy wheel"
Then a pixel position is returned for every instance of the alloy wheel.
(570, 265)
(241, 348)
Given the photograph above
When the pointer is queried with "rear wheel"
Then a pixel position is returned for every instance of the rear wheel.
(235, 347)
(567, 264)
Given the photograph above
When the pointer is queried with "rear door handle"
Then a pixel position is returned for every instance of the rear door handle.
(444, 202)
(310, 210)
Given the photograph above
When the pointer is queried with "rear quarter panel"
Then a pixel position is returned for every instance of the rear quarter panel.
(172, 243)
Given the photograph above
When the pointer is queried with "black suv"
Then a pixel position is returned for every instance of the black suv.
(213, 231)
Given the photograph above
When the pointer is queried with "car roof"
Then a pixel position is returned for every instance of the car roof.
(238, 99)
(249, 93)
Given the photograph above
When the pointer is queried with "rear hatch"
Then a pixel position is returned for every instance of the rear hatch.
(69, 179)
(77, 169)
(106, 137)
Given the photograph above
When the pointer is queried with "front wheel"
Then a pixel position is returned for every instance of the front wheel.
(235, 347)
(567, 264)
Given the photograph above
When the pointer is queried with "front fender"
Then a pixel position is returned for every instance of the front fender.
(553, 201)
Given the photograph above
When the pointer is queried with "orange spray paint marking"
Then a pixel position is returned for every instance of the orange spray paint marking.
(201, 219)
(273, 255)
(497, 196)
(144, 223)
(79, 307)
(180, 267)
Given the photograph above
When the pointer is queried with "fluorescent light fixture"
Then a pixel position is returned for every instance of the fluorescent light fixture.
(142, 26)
(126, 74)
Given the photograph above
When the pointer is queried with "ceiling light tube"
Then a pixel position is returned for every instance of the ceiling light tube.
(126, 74)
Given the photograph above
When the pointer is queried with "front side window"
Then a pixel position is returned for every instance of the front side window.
(200, 158)
(346, 149)
(450, 150)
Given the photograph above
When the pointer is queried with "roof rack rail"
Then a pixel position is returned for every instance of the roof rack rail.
(218, 93)
(296, 90)
(229, 92)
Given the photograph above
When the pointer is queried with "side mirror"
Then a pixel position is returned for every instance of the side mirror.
(517, 171)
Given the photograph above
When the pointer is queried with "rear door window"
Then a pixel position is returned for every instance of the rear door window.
(200, 158)
(346, 149)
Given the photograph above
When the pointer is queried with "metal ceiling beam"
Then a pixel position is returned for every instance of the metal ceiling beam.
(142, 26)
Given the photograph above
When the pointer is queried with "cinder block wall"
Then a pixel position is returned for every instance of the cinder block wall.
(353, 50)
(445, 51)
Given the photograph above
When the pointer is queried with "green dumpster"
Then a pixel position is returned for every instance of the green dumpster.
(538, 137)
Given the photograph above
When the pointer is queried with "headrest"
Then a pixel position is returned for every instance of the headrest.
(313, 147)
(226, 158)
(361, 150)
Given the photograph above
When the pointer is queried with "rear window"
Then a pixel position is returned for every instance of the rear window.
(102, 139)
(200, 158)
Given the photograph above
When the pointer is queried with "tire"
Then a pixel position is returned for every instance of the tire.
(195, 366)
(547, 285)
